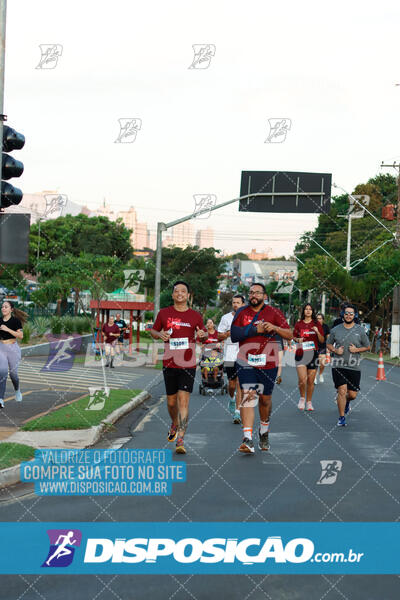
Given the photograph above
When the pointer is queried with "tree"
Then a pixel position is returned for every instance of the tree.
(66, 273)
(200, 268)
(79, 234)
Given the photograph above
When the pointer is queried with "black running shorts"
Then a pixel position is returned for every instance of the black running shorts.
(178, 379)
(230, 370)
(348, 377)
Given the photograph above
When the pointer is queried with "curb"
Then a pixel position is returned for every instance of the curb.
(91, 436)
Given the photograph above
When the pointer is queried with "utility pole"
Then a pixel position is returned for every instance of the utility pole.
(395, 339)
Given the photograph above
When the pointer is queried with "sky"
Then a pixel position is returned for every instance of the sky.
(330, 68)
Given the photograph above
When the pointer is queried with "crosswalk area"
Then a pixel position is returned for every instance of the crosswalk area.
(78, 377)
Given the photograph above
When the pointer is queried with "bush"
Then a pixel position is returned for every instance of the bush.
(68, 324)
(27, 331)
(41, 326)
(79, 323)
(88, 324)
(56, 325)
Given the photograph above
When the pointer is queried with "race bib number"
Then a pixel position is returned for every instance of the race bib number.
(307, 346)
(179, 343)
(257, 360)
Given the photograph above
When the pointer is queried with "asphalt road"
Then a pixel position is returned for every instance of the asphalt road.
(224, 485)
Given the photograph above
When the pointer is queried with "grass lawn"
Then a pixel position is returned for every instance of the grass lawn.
(75, 415)
(12, 454)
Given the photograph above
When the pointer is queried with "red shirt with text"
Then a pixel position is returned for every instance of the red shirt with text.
(180, 350)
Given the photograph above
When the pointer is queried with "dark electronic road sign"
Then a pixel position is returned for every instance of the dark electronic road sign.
(14, 238)
(285, 192)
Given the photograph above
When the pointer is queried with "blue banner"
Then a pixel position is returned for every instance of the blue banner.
(200, 548)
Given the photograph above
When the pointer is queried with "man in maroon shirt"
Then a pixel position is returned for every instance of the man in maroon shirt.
(178, 326)
(255, 327)
(111, 333)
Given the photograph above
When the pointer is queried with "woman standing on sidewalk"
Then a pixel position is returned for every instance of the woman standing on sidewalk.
(11, 322)
(308, 334)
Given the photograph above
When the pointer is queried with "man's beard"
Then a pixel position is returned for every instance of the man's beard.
(346, 320)
(258, 302)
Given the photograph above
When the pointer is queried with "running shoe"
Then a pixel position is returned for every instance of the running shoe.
(247, 446)
(180, 448)
(263, 441)
(347, 408)
(278, 380)
(315, 381)
(302, 403)
(309, 405)
(341, 422)
(1, 403)
(172, 433)
(18, 396)
(321, 379)
(232, 405)
(236, 417)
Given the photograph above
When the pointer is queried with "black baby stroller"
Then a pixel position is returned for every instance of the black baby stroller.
(212, 359)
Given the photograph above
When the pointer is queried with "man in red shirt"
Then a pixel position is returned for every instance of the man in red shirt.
(178, 326)
(255, 327)
(111, 333)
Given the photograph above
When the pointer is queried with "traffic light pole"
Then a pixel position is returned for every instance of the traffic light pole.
(395, 337)
(3, 14)
(164, 226)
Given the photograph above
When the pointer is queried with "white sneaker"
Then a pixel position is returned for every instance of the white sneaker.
(1, 403)
(315, 381)
(301, 404)
(309, 406)
(18, 396)
(321, 379)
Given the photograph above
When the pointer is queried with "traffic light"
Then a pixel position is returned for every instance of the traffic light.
(10, 167)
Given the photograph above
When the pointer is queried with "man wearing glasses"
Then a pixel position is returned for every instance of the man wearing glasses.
(256, 327)
(346, 342)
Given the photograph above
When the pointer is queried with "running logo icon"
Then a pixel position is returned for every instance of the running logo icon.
(62, 353)
(97, 399)
(330, 471)
(128, 129)
(62, 547)
(203, 54)
(278, 129)
(50, 55)
(203, 205)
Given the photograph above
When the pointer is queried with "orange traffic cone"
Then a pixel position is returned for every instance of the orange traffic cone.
(328, 358)
(380, 374)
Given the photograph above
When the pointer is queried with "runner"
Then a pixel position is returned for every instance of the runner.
(177, 327)
(255, 327)
(111, 333)
(308, 334)
(230, 354)
(122, 328)
(347, 341)
(11, 322)
(280, 354)
(322, 349)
